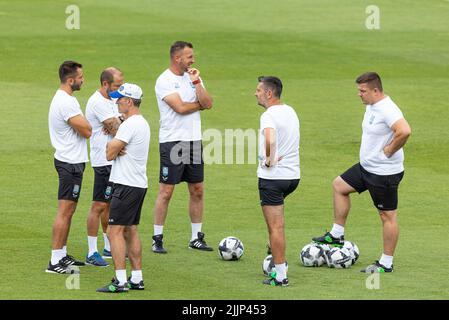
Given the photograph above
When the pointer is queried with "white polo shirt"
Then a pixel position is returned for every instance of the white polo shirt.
(377, 133)
(284, 120)
(70, 147)
(99, 109)
(131, 168)
(175, 126)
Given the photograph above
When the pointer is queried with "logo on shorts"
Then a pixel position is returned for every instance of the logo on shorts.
(164, 173)
(76, 191)
(108, 192)
(111, 220)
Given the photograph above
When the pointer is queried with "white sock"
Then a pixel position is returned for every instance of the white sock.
(281, 271)
(121, 276)
(158, 229)
(196, 227)
(64, 250)
(107, 244)
(92, 241)
(337, 231)
(386, 260)
(56, 255)
(136, 276)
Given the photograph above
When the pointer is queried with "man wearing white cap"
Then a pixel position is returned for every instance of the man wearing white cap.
(128, 152)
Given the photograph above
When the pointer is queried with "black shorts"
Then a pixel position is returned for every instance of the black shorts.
(273, 192)
(383, 189)
(181, 161)
(70, 179)
(102, 186)
(126, 205)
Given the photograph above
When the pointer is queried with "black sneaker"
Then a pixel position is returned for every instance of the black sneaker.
(114, 287)
(376, 267)
(158, 244)
(68, 260)
(199, 243)
(273, 282)
(135, 286)
(60, 268)
(329, 239)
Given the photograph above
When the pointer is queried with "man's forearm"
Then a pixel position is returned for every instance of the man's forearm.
(397, 143)
(204, 99)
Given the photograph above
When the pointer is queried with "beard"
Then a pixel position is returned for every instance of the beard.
(76, 86)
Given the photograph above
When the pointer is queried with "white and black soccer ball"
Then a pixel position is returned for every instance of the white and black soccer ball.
(339, 258)
(268, 265)
(326, 247)
(353, 250)
(312, 255)
(230, 248)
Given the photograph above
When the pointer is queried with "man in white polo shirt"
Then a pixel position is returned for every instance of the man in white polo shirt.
(180, 96)
(128, 152)
(103, 115)
(278, 170)
(380, 170)
(68, 133)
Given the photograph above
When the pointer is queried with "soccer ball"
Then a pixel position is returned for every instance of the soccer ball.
(339, 258)
(230, 248)
(312, 255)
(268, 265)
(326, 247)
(353, 250)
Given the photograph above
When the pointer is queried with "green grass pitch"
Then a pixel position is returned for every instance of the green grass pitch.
(317, 48)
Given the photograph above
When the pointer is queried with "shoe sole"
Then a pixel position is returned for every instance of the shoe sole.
(195, 248)
(330, 244)
(160, 252)
(54, 272)
(106, 257)
(96, 265)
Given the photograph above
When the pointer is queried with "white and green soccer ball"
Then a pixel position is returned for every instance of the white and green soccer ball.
(230, 248)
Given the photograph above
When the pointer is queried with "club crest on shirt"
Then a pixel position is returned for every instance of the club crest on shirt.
(371, 119)
(177, 86)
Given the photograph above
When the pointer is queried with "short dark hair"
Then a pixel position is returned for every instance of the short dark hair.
(179, 45)
(68, 69)
(136, 102)
(272, 83)
(108, 75)
(370, 78)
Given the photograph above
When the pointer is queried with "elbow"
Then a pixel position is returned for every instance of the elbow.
(407, 133)
(87, 133)
(209, 104)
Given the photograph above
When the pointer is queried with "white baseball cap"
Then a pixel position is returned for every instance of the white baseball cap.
(129, 90)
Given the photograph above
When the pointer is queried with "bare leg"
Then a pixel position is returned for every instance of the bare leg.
(342, 201)
(93, 220)
(274, 217)
(162, 201)
(63, 220)
(105, 218)
(196, 203)
(118, 246)
(390, 231)
(134, 247)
